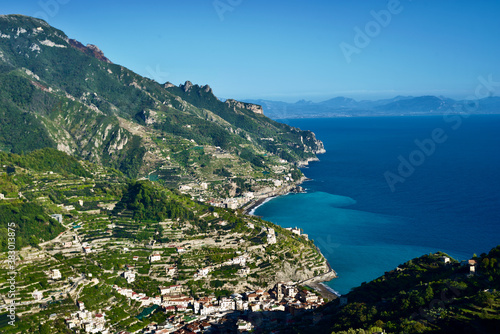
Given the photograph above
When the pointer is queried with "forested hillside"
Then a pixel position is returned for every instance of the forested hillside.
(55, 92)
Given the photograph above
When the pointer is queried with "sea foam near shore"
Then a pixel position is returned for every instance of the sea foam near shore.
(252, 211)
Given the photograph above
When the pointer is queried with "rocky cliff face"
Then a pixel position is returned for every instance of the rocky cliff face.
(319, 147)
(90, 49)
(249, 106)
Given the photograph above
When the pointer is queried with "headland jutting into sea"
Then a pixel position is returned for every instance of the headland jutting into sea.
(315, 282)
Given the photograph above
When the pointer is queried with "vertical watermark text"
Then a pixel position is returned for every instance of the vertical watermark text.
(11, 274)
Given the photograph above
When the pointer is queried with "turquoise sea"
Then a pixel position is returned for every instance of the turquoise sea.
(446, 196)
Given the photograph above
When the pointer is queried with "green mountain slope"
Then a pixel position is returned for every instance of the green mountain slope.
(74, 99)
(111, 224)
(429, 294)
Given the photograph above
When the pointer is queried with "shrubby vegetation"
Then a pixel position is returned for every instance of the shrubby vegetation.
(423, 295)
(46, 160)
(33, 225)
(151, 203)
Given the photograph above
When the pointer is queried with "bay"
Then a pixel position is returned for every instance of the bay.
(449, 202)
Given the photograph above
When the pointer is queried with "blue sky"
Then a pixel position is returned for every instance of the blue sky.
(293, 49)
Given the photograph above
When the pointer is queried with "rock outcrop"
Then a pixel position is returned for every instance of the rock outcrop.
(90, 49)
(242, 105)
(187, 86)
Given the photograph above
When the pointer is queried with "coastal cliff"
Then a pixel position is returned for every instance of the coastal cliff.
(255, 108)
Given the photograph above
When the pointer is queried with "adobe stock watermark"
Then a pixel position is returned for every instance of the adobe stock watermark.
(428, 146)
(50, 8)
(446, 297)
(326, 245)
(223, 6)
(157, 74)
(11, 274)
(363, 37)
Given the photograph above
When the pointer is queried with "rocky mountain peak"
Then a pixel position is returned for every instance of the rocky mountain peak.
(90, 49)
(187, 86)
(207, 89)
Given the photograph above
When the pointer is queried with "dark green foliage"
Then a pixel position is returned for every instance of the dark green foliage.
(423, 295)
(132, 160)
(151, 203)
(248, 155)
(32, 224)
(45, 160)
(21, 131)
(222, 172)
(201, 131)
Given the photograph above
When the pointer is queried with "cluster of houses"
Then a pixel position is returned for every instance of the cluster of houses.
(471, 264)
(210, 311)
(229, 203)
(239, 260)
(88, 321)
(283, 297)
(178, 324)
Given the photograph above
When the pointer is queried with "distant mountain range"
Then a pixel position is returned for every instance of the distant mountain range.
(400, 105)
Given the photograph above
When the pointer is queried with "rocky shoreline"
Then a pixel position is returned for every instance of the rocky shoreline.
(316, 282)
(296, 188)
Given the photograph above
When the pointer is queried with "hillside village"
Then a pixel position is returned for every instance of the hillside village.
(109, 270)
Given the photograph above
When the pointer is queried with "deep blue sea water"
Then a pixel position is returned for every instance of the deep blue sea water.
(449, 202)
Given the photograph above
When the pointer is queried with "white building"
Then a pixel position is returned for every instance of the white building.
(243, 271)
(81, 305)
(294, 230)
(55, 274)
(271, 236)
(231, 203)
(240, 260)
(170, 271)
(37, 295)
(445, 259)
(227, 304)
(243, 326)
(170, 290)
(185, 188)
(129, 276)
(203, 272)
(57, 217)
(248, 195)
(154, 257)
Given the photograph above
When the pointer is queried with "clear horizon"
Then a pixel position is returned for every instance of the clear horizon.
(316, 51)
